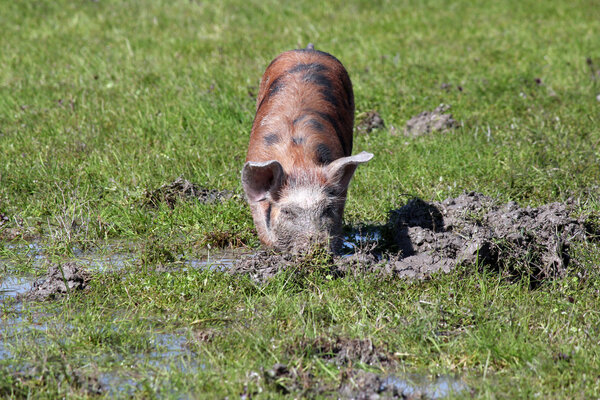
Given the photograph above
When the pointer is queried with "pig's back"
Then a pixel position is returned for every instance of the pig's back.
(304, 111)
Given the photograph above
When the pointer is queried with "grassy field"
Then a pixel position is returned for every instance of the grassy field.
(102, 102)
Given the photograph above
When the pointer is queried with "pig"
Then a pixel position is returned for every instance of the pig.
(299, 163)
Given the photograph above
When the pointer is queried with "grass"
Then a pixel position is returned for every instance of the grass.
(103, 101)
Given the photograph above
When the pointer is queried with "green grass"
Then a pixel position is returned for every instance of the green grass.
(103, 101)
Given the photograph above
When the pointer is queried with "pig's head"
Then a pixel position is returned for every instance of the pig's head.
(296, 209)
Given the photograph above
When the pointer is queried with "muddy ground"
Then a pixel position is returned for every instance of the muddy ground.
(425, 238)
(420, 239)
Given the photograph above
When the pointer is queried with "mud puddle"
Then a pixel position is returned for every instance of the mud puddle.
(22, 321)
(360, 239)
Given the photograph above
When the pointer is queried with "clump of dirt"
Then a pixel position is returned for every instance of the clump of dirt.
(369, 121)
(436, 237)
(362, 385)
(60, 280)
(182, 189)
(430, 121)
(205, 335)
(344, 351)
(475, 228)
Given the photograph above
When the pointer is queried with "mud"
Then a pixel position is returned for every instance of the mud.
(343, 351)
(61, 279)
(368, 122)
(182, 189)
(430, 121)
(263, 265)
(471, 229)
(287, 380)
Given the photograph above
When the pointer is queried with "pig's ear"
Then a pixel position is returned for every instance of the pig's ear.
(262, 180)
(341, 171)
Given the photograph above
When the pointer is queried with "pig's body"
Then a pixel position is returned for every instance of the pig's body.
(298, 165)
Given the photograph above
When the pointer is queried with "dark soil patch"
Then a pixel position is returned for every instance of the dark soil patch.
(594, 68)
(473, 228)
(343, 351)
(182, 189)
(369, 121)
(470, 229)
(60, 280)
(430, 121)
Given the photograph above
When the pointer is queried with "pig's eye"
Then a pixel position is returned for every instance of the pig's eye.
(289, 212)
(329, 212)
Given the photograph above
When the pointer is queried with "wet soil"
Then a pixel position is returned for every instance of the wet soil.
(426, 122)
(182, 189)
(368, 122)
(61, 279)
(471, 229)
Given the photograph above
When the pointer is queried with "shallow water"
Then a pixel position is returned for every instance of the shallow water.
(12, 286)
(360, 238)
(171, 353)
(420, 386)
